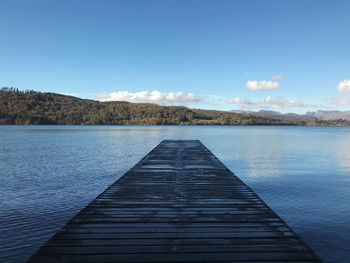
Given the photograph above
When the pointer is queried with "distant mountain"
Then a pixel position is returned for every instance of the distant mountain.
(276, 115)
(319, 115)
(270, 112)
(329, 115)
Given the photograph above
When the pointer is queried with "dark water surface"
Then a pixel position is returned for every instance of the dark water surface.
(49, 173)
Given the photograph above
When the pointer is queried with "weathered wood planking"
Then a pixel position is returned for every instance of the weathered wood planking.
(178, 204)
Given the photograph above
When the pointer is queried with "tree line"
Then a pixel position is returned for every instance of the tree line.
(31, 107)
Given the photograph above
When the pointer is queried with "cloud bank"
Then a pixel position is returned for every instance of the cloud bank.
(342, 101)
(151, 97)
(277, 77)
(267, 103)
(262, 85)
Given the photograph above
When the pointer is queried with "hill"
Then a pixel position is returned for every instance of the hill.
(31, 107)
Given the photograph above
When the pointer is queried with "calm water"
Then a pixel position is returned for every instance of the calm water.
(48, 173)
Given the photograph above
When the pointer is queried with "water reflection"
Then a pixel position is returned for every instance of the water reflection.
(261, 150)
(343, 153)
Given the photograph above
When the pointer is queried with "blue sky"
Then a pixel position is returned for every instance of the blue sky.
(290, 56)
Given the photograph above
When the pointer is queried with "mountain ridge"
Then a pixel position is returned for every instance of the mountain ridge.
(321, 115)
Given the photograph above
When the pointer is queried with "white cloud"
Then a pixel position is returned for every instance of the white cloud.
(344, 86)
(344, 100)
(262, 85)
(152, 97)
(267, 103)
(277, 77)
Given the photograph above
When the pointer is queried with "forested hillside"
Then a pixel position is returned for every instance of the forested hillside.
(30, 107)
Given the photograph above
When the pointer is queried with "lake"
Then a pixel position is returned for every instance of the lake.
(49, 173)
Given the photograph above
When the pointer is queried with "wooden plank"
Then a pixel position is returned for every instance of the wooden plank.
(182, 257)
(122, 249)
(100, 230)
(178, 204)
(250, 242)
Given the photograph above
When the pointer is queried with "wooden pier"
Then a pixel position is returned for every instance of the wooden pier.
(178, 204)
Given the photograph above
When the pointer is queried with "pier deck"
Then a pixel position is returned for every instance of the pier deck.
(178, 204)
